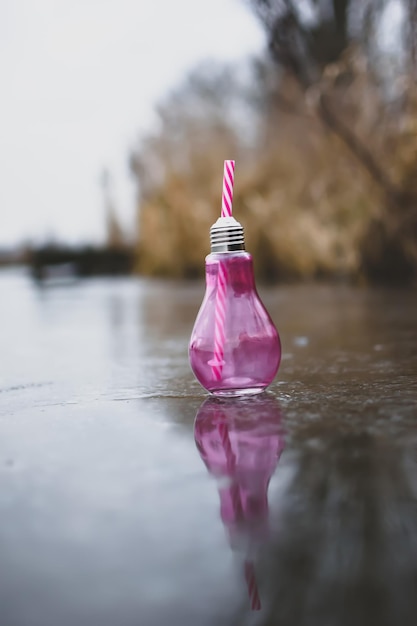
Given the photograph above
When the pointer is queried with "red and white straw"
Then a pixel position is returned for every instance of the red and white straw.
(228, 182)
(220, 311)
(227, 447)
(250, 577)
(219, 323)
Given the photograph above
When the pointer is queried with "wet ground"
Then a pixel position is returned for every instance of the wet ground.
(127, 497)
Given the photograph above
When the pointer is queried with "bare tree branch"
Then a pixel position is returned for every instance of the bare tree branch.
(306, 50)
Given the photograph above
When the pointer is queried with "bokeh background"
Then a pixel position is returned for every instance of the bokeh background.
(117, 117)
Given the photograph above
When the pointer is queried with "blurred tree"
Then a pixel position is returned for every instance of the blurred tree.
(178, 169)
(293, 122)
(305, 37)
(114, 233)
(311, 40)
(292, 193)
(412, 35)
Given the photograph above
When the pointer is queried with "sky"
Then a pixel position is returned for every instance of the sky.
(79, 82)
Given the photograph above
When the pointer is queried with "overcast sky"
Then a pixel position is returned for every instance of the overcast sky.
(79, 79)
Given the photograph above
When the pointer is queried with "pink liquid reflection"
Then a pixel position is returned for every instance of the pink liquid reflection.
(240, 442)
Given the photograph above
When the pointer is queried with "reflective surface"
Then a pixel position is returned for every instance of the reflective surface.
(118, 506)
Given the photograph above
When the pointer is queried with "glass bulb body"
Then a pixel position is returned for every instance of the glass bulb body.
(251, 350)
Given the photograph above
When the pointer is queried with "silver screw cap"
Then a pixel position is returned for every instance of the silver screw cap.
(227, 235)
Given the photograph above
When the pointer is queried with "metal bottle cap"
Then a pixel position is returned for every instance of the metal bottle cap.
(227, 235)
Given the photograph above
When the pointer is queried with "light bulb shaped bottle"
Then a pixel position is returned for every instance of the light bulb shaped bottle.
(234, 348)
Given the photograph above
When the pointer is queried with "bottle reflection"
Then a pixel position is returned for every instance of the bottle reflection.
(240, 442)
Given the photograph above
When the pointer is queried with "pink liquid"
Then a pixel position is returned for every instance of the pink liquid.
(252, 349)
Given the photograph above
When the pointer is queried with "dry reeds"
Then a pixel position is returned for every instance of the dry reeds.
(308, 204)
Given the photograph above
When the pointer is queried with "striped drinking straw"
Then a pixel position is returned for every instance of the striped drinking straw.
(250, 577)
(249, 569)
(220, 310)
(228, 182)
